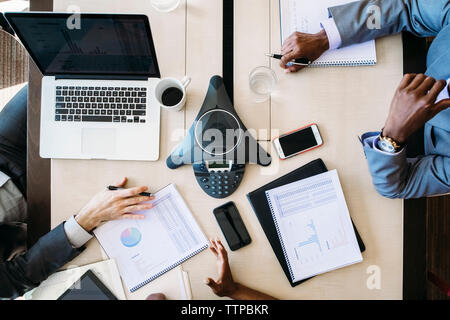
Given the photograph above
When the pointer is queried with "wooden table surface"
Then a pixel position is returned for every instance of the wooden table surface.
(344, 102)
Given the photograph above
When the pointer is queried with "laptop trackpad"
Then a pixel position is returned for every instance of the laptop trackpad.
(99, 142)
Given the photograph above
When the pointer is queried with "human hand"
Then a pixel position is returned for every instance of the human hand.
(413, 105)
(303, 45)
(112, 205)
(225, 285)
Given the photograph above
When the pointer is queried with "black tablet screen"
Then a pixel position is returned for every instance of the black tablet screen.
(88, 287)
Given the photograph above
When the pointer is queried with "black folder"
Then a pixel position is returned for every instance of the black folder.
(260, 205)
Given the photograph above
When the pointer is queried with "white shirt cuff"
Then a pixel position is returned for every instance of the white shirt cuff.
(444, 93)
(75, 233)
(334, 38)
(3, 178)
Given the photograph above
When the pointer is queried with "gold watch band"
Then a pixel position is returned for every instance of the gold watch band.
(397, 146)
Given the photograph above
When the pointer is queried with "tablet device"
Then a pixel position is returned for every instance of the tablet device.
(88, 287)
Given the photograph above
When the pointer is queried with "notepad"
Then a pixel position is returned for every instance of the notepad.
(306, 16)
(314, 226)
(146, 249)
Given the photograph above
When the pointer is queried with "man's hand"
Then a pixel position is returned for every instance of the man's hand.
(111, 205)
(224, 286)
(303, 45)
(413, 105)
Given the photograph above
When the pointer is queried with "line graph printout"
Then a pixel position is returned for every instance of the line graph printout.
(314, 225)
(145, 249)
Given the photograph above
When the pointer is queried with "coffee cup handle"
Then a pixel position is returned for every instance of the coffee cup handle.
(186, 81)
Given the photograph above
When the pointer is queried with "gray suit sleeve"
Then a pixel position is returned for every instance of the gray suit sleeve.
(423, 18)
(396, 176)
(27, 271)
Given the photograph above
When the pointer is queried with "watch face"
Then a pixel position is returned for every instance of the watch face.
(386, 146)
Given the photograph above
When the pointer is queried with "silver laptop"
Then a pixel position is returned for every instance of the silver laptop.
(98, 87)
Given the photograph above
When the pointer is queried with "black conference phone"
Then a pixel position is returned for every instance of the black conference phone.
(218, 145)
(219, 179)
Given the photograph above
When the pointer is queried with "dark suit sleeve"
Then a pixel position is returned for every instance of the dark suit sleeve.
(424, 18)
(27, 271)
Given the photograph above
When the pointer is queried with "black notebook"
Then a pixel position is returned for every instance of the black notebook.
(260, 205)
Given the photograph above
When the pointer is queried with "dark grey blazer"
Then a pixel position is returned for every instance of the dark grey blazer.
(27, 271)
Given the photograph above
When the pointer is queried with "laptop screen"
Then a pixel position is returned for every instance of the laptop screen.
(88, 44)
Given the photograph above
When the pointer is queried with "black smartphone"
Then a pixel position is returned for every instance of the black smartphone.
(232, 226)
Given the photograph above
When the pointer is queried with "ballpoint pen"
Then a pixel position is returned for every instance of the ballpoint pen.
(298, 62)
(144, 194)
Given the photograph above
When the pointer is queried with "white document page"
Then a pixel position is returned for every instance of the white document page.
(314, 225)
(305, 16)
(145, 249)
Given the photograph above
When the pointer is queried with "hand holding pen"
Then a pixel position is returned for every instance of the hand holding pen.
(112, 205)
(296, 62)
(144, 194)
(300, 45)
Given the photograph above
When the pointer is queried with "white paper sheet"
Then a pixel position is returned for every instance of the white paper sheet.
(14, 6)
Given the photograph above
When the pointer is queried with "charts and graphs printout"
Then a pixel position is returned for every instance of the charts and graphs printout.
(314, 225)
(145, 249)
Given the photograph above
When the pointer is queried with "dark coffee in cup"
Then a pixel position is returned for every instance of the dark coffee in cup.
(172, 96)
(171, 93)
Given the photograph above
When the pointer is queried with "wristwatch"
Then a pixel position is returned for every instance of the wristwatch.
(388, 144)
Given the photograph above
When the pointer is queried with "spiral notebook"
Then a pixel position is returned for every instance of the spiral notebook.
(258, 201)
(314, 226)
(146, 249)
(305, 16)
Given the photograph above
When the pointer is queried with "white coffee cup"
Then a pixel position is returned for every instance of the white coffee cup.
(165, 5)
(167, 83)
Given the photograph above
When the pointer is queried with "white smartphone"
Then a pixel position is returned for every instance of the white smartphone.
(298, 141)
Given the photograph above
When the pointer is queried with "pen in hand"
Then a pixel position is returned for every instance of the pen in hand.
(144, 194)
(298, 62)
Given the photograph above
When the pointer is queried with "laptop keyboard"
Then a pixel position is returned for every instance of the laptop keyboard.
(101, 104)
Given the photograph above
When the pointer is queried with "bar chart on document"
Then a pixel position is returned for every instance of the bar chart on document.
(314, 225)
(306, 227)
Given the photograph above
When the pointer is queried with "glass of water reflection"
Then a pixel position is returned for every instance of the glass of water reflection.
(263, 82)
(165, 5)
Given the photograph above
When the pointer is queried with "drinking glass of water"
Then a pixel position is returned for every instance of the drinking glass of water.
(165, 5)
(263, 82)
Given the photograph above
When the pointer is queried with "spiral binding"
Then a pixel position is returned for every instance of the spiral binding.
(279, 236)
(351, 63)
(168, 268)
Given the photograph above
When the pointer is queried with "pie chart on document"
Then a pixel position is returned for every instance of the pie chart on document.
(130, 237)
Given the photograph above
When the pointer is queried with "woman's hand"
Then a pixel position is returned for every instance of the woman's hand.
(112, 205)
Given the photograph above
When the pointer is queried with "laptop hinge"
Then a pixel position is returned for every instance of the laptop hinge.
(101, 77)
